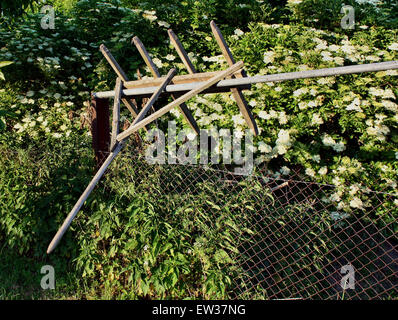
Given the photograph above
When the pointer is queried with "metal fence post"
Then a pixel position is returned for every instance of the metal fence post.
(100, 128)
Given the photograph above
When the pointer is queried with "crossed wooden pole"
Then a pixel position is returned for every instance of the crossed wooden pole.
(140, 121)
(181, 89)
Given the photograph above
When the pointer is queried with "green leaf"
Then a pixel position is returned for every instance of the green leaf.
(222, 256)
(5, 63)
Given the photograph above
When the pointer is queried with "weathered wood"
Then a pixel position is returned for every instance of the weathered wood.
(154, 97)
(239, 98)
(116, 112)
(130, 106)
(183, 107)
(180, 100)
(113, 63)
(179, 79)
(119, 71)
(83, 198)
(99, 110)
(144, 100)
(226, 85)
(147, 58)
(172, 89)
(181, 52)
(226, 52)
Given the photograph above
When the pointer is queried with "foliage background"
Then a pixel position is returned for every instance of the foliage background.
(341, 131)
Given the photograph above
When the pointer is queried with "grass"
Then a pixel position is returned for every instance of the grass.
(20, 280)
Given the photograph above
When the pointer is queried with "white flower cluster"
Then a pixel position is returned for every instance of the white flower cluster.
(217, 59)
(316, 119)
(393, 46)
(377, 128)
(372, 2)
(378, 92)
(264, 148)
(272, 114)
(330, 142)
(163, 24)
(282, 143)
(300, 92)
(355, 105)
(150, 15)
(269, 57)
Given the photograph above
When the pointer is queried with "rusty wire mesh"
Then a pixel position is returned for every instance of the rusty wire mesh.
(290, 243)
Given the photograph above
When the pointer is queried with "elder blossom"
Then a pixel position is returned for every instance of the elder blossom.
(269, 57)
(285, 170)
(355, 105)
(310, 172)
(393, 46)
(283, 138)
(356, 203)
(316, 119)
(263, 147)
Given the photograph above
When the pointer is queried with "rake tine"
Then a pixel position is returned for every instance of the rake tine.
(239, 98)
(113, 63)
(183, 107)
(119, 71)
(181, 52)
(146, 57)
(145, 100)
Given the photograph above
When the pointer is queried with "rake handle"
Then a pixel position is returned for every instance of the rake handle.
(58, 236)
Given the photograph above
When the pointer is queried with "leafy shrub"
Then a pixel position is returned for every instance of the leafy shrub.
(166, 242)
(327, 14)
(130, 242)
(14, 8)
(338, 130)
(37, 184)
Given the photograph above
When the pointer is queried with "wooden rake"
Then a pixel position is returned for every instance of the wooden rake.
(139, 122)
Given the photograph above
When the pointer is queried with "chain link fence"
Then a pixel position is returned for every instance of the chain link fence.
(291, 241)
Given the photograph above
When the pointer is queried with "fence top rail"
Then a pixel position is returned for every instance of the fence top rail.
(226, 85)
